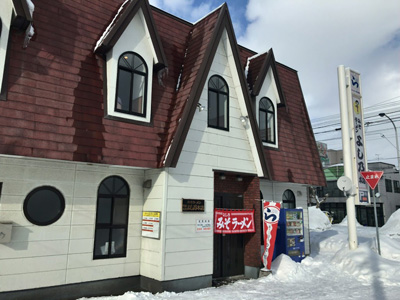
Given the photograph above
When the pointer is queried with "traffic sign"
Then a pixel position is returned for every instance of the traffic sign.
(372, 177)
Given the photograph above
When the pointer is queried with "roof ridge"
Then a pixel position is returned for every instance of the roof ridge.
(110, 26)
(210, 13)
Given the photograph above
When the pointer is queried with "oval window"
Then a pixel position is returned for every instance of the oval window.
(44, 205)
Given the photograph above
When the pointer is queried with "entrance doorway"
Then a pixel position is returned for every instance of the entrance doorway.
(228, 248)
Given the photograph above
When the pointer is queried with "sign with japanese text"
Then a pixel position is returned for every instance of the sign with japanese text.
(203, 226)
(271, 211)
(358, 147)
(231, 221)
(151, 224)
(372, 178)
(192, 205)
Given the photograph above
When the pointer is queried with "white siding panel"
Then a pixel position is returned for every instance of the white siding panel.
(188, 257)
(32, 280)
(188, 270)
(32, 249)
(102, 272)
(186, 231)
(40, 256)
(179, 245)
(32, 265)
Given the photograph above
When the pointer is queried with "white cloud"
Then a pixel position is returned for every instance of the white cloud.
(189, 10)
(314, 37)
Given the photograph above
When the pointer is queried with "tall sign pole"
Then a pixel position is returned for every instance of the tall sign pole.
(347, 157)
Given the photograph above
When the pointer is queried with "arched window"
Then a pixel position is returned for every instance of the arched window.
(131, 84)
(218, 103)
(267, 120)
(288, 199)
(111, 218)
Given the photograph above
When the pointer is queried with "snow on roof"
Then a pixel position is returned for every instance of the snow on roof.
(110, 26)
(31, 6)
(208, 14)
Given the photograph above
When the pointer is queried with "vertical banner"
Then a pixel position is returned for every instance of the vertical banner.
(271, 212)
(359, 157)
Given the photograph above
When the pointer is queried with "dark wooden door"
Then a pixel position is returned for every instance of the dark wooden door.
(228, 248)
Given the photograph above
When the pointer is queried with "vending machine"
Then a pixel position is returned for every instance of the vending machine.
(290, 234)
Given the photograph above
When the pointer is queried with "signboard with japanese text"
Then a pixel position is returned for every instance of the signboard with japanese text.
(359, 157)
(203, 225)
(230, 221)
(192, 205)
(372, 178)
(151, 224)
(271, 211)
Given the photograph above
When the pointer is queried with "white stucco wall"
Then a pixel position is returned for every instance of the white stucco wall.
(62, 253)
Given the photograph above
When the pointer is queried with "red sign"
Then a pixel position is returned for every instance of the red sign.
(372, 178)
(270, 219)
(233, 221)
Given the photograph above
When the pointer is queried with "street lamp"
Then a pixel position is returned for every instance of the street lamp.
(397, 139)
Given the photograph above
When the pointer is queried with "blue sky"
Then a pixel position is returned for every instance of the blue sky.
(314, 37)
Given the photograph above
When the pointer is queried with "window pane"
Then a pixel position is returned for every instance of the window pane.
(120, 211)
(138, 64)
(263, 127)
(44, 205)
(118, 241)
(101, 239)
(212, 109)
(123, 90)
(271, 127)
(223, 111)
(104, 211)
(120, 187)
(138, 93)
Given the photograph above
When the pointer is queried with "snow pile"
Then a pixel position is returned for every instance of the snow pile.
(331, 272)
(317, 219)
(392, 226)
(344, 222)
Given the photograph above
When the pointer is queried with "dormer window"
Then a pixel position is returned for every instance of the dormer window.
(131, 85)
(267, 120)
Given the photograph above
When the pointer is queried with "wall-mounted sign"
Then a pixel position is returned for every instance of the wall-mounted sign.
(193, 205)
(234, 221)
(203, 226)
(151, 224)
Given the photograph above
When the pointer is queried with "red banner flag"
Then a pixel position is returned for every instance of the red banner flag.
(233, 221)
(270, 220)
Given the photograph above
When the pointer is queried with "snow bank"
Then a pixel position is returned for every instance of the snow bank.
(392, 226)
(344, 222)
(318, 220)
(368, 266)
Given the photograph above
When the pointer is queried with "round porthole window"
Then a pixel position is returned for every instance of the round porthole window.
(44, 205)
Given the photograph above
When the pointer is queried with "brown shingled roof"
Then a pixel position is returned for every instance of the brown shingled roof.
(297, 159)
(258, 69)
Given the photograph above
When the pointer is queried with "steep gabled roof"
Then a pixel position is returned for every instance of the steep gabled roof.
(297, 159)
(120, 22)
(258, 69)
(200, 53)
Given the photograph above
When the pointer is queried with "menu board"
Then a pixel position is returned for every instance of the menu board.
(294, 223)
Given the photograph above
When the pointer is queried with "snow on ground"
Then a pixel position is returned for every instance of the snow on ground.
(332, 271)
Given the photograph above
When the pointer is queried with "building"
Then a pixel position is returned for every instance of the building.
(387, 202)
(122, 128)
